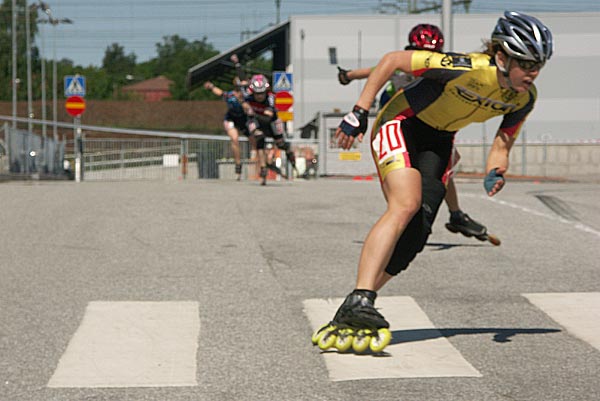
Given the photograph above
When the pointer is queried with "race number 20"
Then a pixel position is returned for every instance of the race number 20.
(391, 141)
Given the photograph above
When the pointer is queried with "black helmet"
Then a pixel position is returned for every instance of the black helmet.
(523, 37)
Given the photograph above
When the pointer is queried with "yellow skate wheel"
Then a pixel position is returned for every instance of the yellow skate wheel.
(344, 340)
(361, 342)
(319, 333)
(327, 340)
(381, 340)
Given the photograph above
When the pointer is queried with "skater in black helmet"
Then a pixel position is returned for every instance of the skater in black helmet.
(235, 121)
(412, 145)
(426, 37)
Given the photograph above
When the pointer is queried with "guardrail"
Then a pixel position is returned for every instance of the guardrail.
(149, 154)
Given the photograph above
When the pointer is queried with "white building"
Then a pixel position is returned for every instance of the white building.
(568, 106)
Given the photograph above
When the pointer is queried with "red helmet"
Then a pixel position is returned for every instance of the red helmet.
(259, 83)
(425, 37)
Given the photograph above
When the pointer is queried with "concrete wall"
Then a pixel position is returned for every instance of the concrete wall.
(573, 161)
(568, 106)
(577, 160)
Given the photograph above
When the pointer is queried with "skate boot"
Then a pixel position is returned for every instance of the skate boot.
(291, 157)
(263, 176)
(461, 223)
(238, 171)
(357, 325)
(276, 170)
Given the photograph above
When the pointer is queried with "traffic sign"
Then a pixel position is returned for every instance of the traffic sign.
(282, 81)
(75, 105)
(74, 85)
(283, 101)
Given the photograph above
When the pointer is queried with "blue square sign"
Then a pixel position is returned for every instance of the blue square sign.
(74, 85)
(282, 81)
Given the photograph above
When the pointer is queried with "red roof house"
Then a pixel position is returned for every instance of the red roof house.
(150, 90)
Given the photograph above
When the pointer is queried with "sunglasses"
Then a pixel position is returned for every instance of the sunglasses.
(528, 65)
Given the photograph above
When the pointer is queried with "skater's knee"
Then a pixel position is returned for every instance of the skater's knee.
(403, 210)
(234, 136)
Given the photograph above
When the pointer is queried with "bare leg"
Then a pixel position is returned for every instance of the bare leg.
(402, 190)
(262, 162)
(235, 145)
(451, 196)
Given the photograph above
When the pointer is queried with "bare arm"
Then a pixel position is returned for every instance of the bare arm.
(238, 67)
(214, 89)
(399, 60)
(361, 73)
(355, 122)
(498, 157)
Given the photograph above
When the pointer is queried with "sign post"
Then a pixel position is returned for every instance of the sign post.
(75, 106)
(283, 103)
(283, 85)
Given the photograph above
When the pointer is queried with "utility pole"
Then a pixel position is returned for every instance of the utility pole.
(411, 6)
(278, 6)
(28, 50)
(44, 7)
(14, 64)
(54, 22)
(447, 24)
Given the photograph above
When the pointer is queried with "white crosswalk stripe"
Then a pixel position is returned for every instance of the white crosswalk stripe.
(154, 344)
(578, 312)
(433, 356)
(132, 344)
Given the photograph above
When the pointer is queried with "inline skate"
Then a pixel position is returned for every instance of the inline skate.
(263, 176)
(461, 223)
(357, 325)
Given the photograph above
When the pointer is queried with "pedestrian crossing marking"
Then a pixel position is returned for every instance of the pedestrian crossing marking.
(282, 82)
(74, 85)
(430, 356)
(578, 312)
(132, 344)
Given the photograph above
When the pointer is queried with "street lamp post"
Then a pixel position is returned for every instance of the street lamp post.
(14, 64)
(54, 22)
(28, 50)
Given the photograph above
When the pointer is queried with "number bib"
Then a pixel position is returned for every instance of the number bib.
(389, 149)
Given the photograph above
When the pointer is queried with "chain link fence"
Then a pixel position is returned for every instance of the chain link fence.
(23, 153)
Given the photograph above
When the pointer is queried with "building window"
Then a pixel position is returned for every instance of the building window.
(333, 56)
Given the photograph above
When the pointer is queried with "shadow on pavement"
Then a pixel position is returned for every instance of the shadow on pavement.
(501, 335)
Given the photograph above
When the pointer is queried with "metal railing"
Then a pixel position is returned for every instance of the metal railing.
(161, 155)
(131, 154)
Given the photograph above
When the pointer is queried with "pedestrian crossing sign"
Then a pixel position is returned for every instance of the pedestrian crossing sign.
(282, 81)
(74, 85)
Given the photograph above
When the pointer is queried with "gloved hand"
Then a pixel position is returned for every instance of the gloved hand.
(352, 126)
(343, 76)
(494, 181)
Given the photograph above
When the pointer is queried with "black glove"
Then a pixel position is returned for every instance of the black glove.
(355, 122)
(343, 76)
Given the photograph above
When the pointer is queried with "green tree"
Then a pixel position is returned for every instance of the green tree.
(99, 84)
(6, 48)
(118, 66)
(175, 56)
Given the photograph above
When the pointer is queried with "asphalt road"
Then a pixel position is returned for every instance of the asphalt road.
(247, 258)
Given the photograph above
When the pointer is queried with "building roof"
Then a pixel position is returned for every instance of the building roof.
(160, 83)
(220, 68)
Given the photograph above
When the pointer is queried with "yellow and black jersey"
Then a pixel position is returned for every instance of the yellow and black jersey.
(456, 90)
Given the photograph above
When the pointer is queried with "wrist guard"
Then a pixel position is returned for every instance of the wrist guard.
(355, 122)
(343, 76)
(491, 179)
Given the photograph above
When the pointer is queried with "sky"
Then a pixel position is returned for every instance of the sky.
(138, 25)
